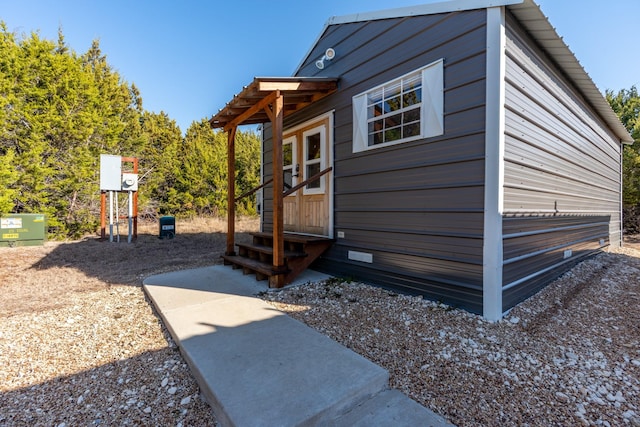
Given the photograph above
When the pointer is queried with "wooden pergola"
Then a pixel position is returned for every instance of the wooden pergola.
(267, 100)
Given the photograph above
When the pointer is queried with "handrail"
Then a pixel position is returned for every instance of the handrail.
(291, 190)
(306, 182)
(250, 192)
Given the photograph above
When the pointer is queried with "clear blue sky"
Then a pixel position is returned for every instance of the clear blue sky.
(189, 57)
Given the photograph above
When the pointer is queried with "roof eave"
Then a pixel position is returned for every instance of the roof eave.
(400, 12)
(531, 17)
(529, 14)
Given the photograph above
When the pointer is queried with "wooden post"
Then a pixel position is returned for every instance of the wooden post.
(231, 190)
(278, 207)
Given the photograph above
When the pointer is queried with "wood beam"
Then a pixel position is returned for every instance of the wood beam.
(277, 114)
(267, 86)
(231, 190)
(256, 108)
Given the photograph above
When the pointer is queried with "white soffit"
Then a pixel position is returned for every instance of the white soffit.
(528, 13)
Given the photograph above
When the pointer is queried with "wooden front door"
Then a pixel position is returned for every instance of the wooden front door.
(305, 153)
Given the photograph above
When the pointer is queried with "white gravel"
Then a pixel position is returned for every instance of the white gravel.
(568, 356)
(103, 360)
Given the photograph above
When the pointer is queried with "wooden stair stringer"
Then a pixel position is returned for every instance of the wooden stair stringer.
(297, 266)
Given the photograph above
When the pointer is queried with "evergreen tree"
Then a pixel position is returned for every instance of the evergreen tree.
(158, 162)
(59, 111)
(626, 104)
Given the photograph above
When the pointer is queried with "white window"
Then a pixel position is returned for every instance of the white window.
(289, 165)
(314, 158)
(405, 109)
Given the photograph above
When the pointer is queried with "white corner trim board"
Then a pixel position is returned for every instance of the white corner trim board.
(494, 166)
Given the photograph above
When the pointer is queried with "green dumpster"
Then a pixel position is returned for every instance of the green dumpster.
(22, 230)
(167, 227)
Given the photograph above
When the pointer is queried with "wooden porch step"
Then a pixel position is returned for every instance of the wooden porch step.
(263, 270)
(294, 238)
(244, 248)
(299, 253)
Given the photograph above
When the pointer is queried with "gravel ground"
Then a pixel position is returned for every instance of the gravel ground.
(568, 356)
(102, 360)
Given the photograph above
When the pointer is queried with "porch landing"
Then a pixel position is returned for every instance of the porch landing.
(257, 366)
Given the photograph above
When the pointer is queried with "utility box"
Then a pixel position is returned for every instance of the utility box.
(129, 182)
(22, 230)
(167, 227)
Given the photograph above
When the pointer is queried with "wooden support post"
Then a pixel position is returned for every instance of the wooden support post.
(278, 206)
(231, 190)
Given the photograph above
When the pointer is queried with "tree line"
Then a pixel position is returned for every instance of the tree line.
(626, 104)
(60, 110)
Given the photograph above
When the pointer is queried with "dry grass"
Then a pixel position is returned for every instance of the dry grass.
(44, 277)
(79, 342)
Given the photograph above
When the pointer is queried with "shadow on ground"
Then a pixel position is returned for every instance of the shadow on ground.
(129, 263)
(38, 278)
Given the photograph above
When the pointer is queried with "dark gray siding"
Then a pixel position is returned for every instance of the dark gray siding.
(562, 173)
(416, 207)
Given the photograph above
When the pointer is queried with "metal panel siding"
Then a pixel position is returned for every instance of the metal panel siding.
(562, 176)
(416, 207)
(558, 158)
(420, 222)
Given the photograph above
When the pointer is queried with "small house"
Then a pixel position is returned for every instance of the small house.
(456, 150)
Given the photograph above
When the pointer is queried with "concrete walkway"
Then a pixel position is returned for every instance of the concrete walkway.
(256, 366)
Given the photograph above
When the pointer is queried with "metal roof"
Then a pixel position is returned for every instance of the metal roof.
(528, 13)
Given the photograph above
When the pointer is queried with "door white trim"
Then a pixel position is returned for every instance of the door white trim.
(329, 116)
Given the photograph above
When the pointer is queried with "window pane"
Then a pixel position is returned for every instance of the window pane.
(411, 98)
(312, 170)
(392, 104)
(412, 81)
(376, 125)
(288, 179)
(374, 110)
(392, 89)
(374, 97)
(375, 139)
(313, 146)
(391, 121)
(392, 134)
(410, 130)
(411, 116)
(287, 154)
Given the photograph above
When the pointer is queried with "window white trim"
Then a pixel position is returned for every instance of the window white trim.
(322, 161)
(294, 160)
(329, 116)
(431, 108)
